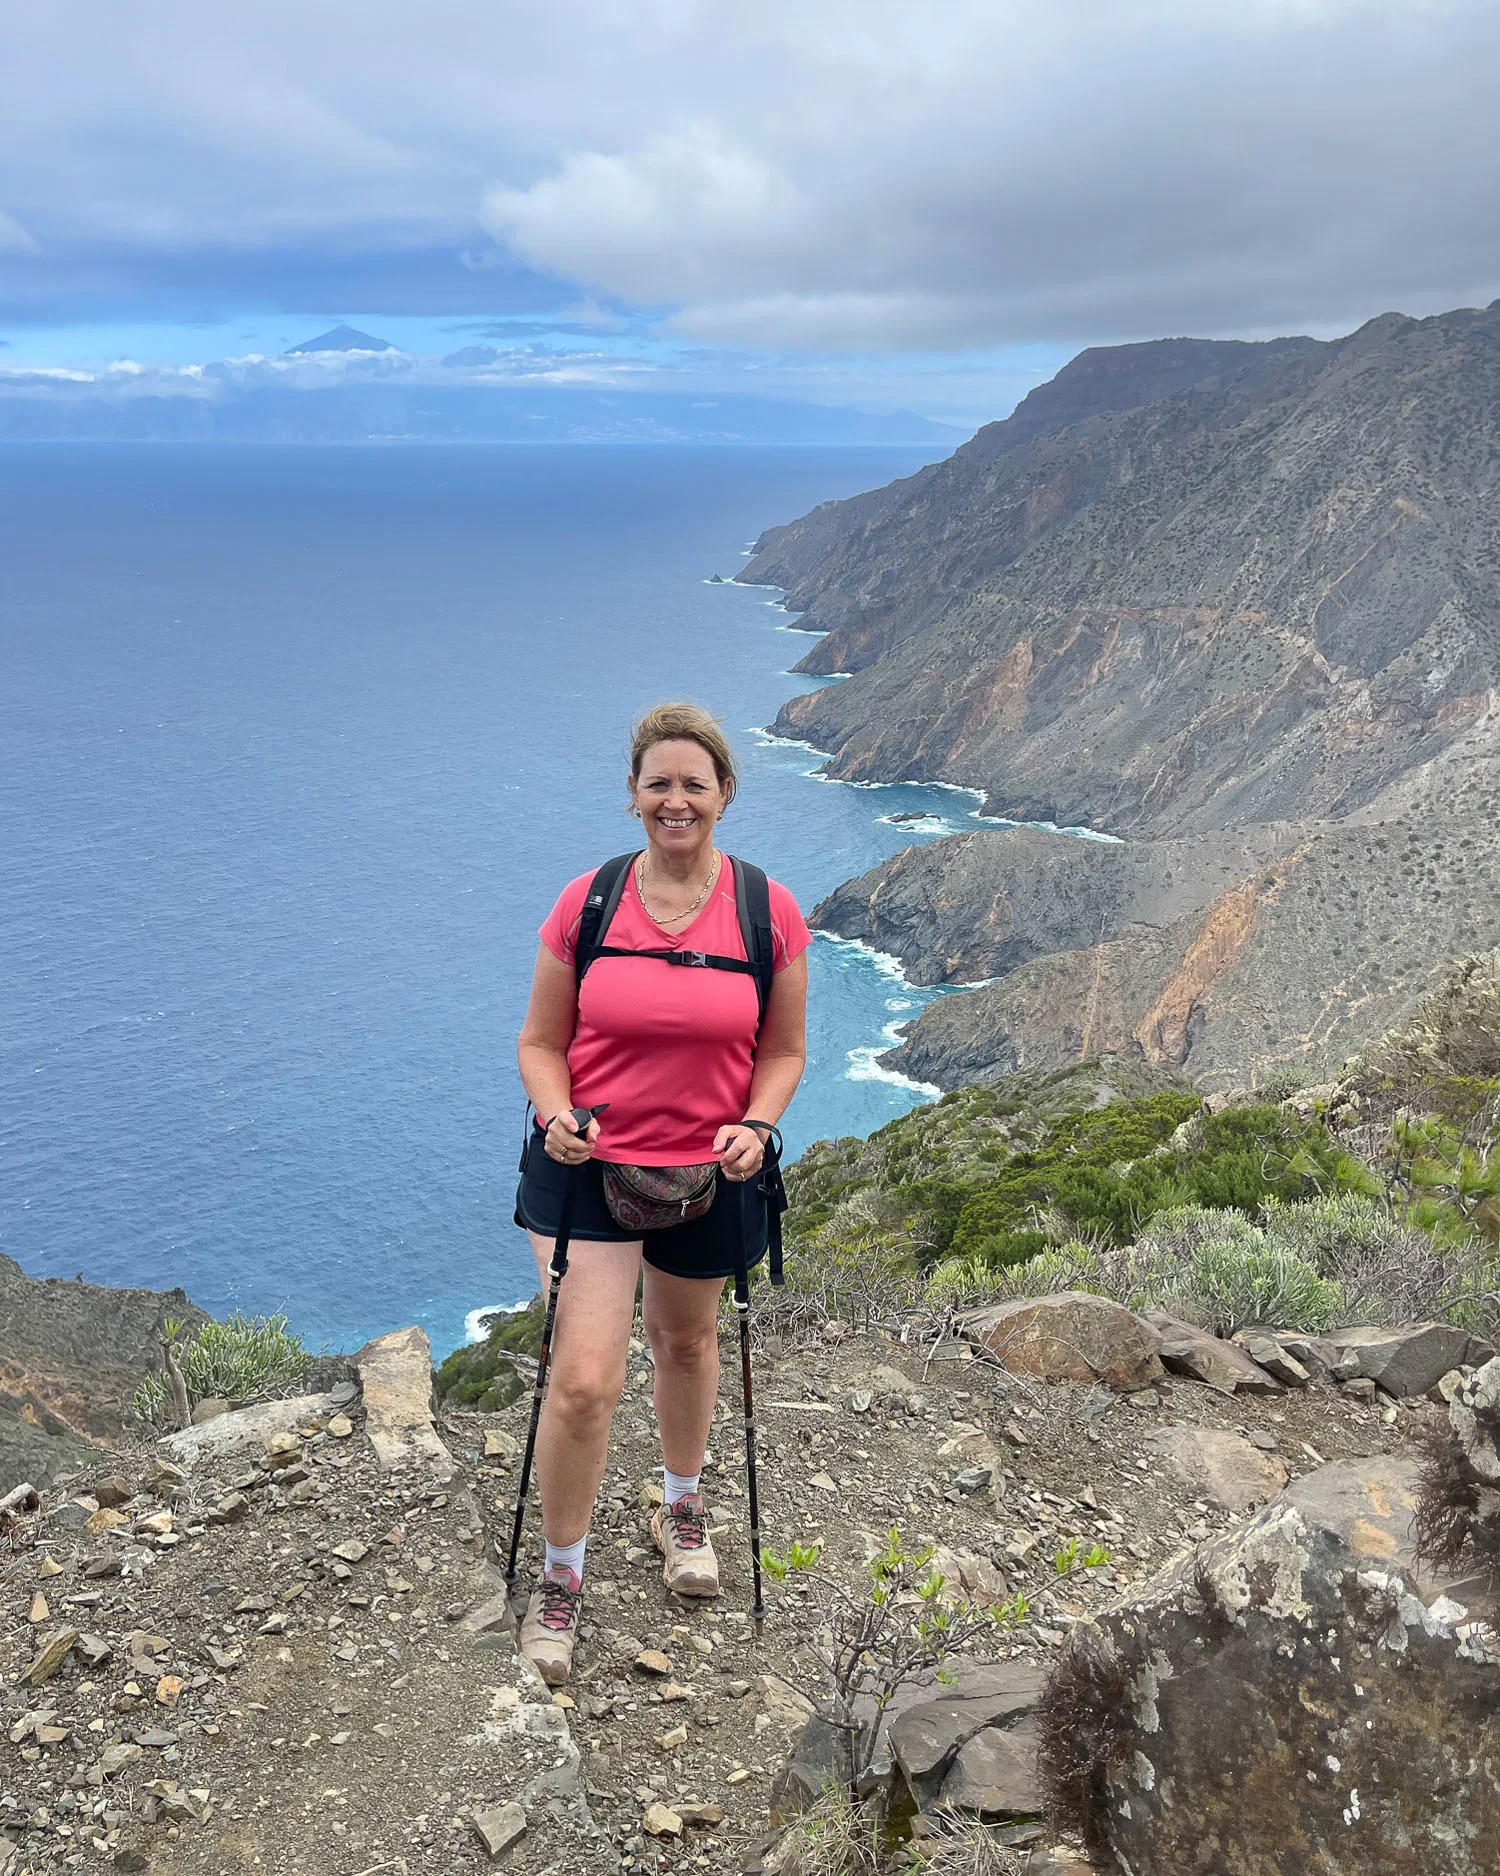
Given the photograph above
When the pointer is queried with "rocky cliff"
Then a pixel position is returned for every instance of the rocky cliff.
(71, 1356)
(1263, 595)
(1235, 603)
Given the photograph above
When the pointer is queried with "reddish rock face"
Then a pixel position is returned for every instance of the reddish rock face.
(1073, 1336)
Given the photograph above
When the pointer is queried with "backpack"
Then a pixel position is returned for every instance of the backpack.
(752, 901)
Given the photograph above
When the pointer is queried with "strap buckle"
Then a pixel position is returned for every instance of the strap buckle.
(697, 960)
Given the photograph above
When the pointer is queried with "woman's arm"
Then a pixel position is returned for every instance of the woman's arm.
(780, 1057)
(542, 1055)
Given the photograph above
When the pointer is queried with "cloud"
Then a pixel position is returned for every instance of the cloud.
(1081, 171)
(662, 223)
(806, 175)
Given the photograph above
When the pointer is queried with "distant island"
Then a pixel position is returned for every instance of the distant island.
(342, 339)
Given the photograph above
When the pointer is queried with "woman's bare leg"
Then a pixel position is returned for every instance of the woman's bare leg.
(595, 1310)
(681, 1315)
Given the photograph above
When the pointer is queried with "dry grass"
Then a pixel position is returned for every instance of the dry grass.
(968, 1848)
(1083, 1716)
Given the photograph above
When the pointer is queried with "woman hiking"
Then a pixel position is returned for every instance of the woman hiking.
(696, 1066)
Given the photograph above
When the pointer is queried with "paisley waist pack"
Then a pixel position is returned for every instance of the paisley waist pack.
(653, 1198)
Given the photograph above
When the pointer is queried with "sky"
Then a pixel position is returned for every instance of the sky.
(885, 203)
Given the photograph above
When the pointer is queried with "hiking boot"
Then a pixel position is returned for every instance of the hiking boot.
(551, 1625)
(680, 1533)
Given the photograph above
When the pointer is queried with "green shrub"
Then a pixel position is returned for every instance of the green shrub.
(1311, 1267)
(1219, 1270)
(1070, 1266)
(245, 1358)
(1110, 1172)
(483, 1374)
(1448, 1180)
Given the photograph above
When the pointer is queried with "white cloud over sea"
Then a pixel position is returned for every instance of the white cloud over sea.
(831, 179)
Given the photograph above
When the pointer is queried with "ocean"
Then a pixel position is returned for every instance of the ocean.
(297, 747)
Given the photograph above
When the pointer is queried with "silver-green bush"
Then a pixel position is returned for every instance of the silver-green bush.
(1311, 1266)
(243, 1358)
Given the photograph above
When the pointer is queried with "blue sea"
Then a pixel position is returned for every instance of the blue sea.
(297, 746)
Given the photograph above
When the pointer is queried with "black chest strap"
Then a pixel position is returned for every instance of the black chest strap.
(752, 899)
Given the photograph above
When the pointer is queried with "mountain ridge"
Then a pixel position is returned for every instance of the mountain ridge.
(1247, 595)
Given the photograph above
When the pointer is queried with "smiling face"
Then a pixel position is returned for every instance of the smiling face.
(679, 797)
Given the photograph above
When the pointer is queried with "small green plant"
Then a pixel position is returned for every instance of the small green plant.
(242, 1358)
(899, 1632)
(1072, 1556)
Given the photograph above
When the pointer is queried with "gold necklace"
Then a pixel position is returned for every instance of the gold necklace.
(674, 918)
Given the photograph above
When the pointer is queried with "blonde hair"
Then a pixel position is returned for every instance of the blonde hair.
(689, 723)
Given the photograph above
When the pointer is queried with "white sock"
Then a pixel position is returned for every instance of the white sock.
(568, 1556)
(677, 1485)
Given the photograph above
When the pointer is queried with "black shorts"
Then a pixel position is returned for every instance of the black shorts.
(704, 1247)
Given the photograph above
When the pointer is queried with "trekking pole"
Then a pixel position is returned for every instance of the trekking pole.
(742, 1310)
(556, 1270)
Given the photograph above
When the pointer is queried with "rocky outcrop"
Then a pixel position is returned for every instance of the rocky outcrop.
(1413, 1359)
(217, 1441)
(878, 568)
(1281, 1703)
(1191, 1351)
(966, 1745)
(71, 1356)
(1263, 595)
(395, 1372)
(1190, 955)
(1073, 1336)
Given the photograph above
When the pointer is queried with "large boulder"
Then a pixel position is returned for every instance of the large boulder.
(1219, 1465)
(395, 1373)
(1414, 1359)
(1072, 1336)
(1191, 1351)
(1283, 1702)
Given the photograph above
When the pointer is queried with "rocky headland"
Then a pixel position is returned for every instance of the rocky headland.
(1234, 604)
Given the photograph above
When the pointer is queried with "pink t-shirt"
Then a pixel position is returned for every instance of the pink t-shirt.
(670, 1048)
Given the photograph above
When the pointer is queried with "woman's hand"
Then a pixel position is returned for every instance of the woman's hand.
(740, 1150)
(565, 1143)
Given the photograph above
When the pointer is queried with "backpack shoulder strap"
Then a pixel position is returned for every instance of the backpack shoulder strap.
(599, 906)
(752, 901)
